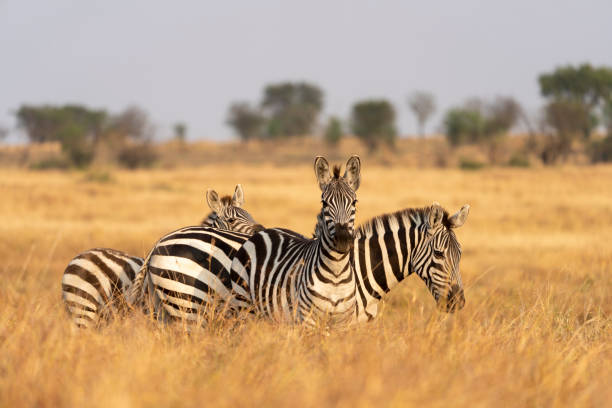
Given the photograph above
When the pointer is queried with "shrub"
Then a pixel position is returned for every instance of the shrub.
(518, 160)
(470, 164)
(333, 132)
(137, 155)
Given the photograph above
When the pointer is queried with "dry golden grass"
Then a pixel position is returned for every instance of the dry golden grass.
(536, 329)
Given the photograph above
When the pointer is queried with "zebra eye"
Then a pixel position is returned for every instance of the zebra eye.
(438, 254)
(230, 220)
(355, 202)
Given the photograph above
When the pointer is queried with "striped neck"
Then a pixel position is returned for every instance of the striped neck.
(383, 253)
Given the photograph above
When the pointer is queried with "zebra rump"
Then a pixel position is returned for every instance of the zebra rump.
(94, 284)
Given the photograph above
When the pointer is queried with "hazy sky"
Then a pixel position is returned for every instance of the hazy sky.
(188, 60)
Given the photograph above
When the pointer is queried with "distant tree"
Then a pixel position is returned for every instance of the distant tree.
(292, 108)
(479, 121)
(180, 132)
(246, 121)
(3, 133)
(373, 121)
(333, 131)
(131, 124)
(566, 121)
(464, 125)
(423, 105)
(75, 127)
(583, 88)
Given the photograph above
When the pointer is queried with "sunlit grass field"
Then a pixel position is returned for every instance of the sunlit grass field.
(536, 329)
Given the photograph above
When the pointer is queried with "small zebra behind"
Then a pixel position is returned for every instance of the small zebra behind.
(227, 212)
(289, 278)
(188, 269)
(94, 284)
(390, 247)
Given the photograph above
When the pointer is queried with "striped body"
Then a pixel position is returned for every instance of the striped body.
(289, 278)
(188, 271)
(386, 250)
(94, 283)
(187, 268)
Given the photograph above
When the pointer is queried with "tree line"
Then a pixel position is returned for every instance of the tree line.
(578, 100)
(83, 132)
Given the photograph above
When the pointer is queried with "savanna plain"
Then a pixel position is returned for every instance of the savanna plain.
(536, 267)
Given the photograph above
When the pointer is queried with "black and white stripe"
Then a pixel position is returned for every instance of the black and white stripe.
(390, 247)
(187, 271)
(289, 278)
(94, 284)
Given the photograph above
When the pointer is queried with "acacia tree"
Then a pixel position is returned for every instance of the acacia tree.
(576, 102)
(584, 86)
(373, 121)
(3, 133)
(246, 120)
(292, 108)
(423, 105)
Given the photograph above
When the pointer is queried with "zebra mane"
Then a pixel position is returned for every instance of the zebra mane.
(336, 171)
(406, 216)
(226, 200)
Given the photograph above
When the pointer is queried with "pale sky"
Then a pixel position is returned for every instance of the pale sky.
(188, 60)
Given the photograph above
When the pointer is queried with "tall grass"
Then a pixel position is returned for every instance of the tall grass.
(536, 329)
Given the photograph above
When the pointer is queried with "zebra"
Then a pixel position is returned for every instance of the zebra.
(96, 282)
(188, 269)
(387, 249)
(289, 278)
(390, 247)
(227, 212)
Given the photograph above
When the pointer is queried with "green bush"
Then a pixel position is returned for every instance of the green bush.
(52, 163)
(518, 160)
(470, 164)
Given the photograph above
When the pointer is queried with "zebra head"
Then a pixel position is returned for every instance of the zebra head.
(336, 222)
(436, 259)
(228, 214)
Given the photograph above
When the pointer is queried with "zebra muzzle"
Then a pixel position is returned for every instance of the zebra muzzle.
(455, 300)
(343, 238)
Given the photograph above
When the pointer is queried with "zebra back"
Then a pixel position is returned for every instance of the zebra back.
(94, 283)
(188, 271)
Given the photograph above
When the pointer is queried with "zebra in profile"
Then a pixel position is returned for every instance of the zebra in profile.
(289, 278)
(95, 282)
(390, 247)
(188, 270)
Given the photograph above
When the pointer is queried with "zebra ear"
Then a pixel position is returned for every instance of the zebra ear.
(212, 198)
(458, 219)
(436, 213)
(352, 174)
(238, 198)
(321, 167)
